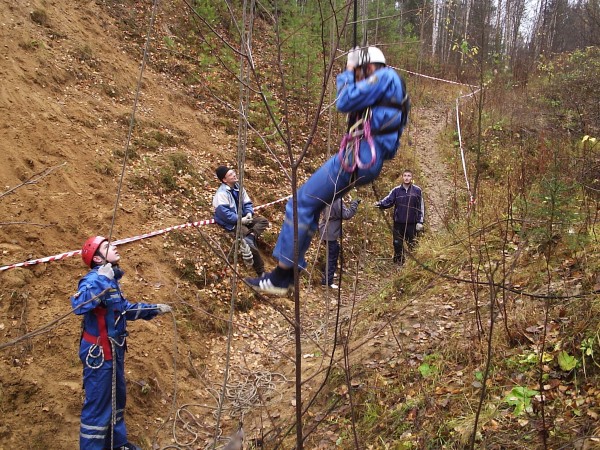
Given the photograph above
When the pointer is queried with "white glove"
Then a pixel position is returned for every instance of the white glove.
(163, 309)
(353, 58)
(377, 204)
(419, 226)
(107, 271)
(247, 219)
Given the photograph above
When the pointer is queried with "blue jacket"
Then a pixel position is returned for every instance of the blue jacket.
(107, 314)
(384, 86)
(225, 203)
(408, 204)
(330, 226)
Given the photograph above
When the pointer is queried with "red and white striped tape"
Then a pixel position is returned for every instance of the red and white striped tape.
(60, 256)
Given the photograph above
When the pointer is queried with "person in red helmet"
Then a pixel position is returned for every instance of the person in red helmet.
(105, 314)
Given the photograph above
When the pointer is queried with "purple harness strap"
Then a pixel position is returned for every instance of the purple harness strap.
(349, 153)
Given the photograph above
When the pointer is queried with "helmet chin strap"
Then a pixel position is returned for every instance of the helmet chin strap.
(104, 260)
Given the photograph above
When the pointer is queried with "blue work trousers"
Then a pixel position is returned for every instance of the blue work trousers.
(328, 182)
(95, 428)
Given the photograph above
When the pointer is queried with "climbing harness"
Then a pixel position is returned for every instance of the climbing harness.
(349, 153)
(403, 107)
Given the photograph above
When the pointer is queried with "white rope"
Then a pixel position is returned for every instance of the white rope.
(462, 154)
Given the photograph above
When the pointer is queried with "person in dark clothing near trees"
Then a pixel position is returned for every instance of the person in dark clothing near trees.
(409, 213)
(330, 229)
(226, 203)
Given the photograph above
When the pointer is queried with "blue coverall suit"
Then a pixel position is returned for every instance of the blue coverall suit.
(104, 319)
(381, 89)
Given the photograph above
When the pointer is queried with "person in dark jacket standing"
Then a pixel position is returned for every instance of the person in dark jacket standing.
(226, 203)
(105, 314)
(409, 213)
(330, 228)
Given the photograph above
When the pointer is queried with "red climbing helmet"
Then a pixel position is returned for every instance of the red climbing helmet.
(89, 249)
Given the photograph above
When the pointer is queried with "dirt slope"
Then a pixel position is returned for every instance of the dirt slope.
(69, 82)
(68, 87)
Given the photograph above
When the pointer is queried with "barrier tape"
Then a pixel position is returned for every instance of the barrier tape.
(60, 256)
(433, 78)
(462, 151)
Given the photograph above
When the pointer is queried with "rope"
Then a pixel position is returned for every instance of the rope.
(462, 155)
(46, 328)
(240, 398)
(245, 394)
(132, 119)
(432, 78)
(113, 394)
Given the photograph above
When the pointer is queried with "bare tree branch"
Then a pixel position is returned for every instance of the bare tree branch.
(34, 179)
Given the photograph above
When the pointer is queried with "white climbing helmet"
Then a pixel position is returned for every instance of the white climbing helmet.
(374, 55)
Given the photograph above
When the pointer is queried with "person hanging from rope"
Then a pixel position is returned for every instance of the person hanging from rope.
(409, 214)
(226, 202)
(102, 348)
(375, 97)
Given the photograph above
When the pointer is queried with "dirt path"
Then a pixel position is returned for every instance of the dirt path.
(426, 130)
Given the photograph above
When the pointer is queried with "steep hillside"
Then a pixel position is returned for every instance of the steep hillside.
(69, 79)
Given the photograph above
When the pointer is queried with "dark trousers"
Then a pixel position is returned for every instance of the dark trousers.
(403, 232)
(333, 252)
(255, 229)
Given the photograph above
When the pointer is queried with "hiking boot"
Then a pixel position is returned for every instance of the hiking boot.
(276, 282)
(333, 286)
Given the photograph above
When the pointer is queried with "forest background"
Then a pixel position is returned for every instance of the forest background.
(114, 116)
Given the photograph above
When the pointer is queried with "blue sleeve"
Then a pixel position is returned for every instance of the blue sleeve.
(135, 311)
(388, 201)
(226, 214)
(247, 208)
(358, 96)
(421, 215)
(90, 287)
